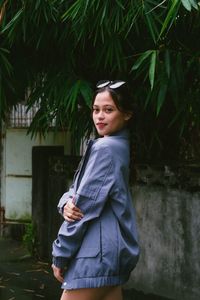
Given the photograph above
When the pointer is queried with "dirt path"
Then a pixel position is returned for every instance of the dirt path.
(23, 278)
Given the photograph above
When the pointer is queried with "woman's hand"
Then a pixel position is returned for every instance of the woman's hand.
(71, 212)
(58, 273)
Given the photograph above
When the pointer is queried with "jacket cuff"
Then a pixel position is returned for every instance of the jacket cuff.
(60, 262)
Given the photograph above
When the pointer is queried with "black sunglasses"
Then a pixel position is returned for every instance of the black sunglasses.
(111, 84)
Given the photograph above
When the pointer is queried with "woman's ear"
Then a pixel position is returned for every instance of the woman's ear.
(128, 116)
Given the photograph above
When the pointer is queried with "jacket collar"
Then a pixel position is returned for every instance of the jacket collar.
(124, 133)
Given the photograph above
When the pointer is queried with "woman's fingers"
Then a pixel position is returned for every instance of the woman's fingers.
(72, 216)
(72, 212)
(70, 220)
(58, 273)
(71, 204)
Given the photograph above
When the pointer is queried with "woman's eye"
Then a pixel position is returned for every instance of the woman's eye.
(109, 110)
(95, 110)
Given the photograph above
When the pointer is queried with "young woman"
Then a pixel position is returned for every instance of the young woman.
(97, 243)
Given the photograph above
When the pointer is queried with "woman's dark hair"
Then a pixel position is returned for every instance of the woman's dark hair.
(122, 98)
(125, 102)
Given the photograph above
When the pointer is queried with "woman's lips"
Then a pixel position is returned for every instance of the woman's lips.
(101, 125)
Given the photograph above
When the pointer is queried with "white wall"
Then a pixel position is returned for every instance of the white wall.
(16, 177)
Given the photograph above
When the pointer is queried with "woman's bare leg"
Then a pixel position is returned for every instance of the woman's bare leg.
(114, 294)
(93, 294)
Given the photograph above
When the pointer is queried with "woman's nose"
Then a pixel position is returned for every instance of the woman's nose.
(101, 115)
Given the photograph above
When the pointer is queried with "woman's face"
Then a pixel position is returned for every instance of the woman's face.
(107, 118)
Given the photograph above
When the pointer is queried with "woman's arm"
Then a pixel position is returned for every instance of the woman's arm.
(90, 198)
(71, 212)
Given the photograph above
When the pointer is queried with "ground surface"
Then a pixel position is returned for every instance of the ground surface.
(23, 278)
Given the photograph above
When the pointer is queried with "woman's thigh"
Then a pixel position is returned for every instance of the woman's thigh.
(104, 293)
(114, 294)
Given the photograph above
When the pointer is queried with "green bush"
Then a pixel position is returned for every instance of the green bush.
(29, 238)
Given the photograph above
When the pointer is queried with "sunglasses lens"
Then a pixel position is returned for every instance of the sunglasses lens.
(111, 84)
(102, 83)
(117, 84)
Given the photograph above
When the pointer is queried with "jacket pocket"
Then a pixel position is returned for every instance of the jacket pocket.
(87, 262)
(88, 252)
(91, 244)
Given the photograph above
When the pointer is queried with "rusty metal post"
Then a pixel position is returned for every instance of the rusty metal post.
(2, 220)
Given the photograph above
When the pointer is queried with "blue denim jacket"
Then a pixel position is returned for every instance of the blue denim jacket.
(101, 249)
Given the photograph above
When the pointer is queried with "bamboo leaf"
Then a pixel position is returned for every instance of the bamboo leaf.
(172, 13)
(147, 100)
(120, 4)
(161, 97)
(175, 118)
(104, 13)
(152, 68)
(187, 4)
(86, 92)
(73, 95)
(167, 63)
(13, 21)
(152, 27)
(140, 60)
(5, 62)
(194, 4)
(72, 12)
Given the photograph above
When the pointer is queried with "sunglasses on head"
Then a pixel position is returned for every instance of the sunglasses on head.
(111, 84)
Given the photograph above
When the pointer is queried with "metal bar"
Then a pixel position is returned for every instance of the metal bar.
(19, 176)
(2, 220)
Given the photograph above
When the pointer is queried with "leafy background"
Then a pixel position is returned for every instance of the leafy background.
(53, 52)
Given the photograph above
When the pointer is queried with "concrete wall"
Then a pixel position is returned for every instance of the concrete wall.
(16, 175)
(167, 202)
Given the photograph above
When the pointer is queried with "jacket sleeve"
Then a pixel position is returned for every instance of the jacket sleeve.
(65, 197)
(90, 197)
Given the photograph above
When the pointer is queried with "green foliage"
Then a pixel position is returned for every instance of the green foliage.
(57, 50)
(29, 238)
